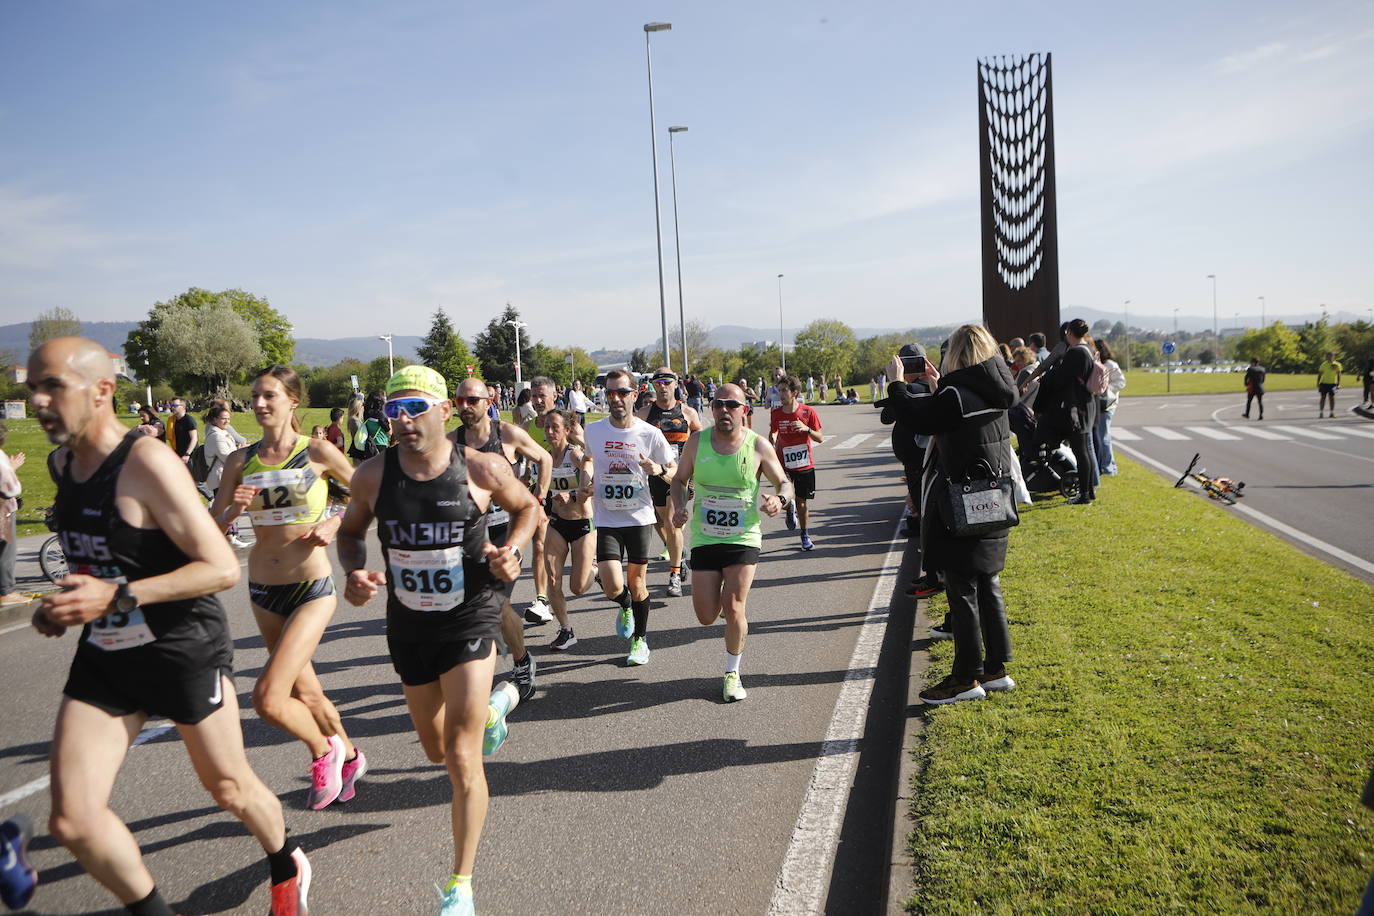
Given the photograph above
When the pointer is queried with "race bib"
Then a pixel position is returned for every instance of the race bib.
(428, 580)
(282, 496)
(721, 516)
(622, 492)
(564, 480)
(117, 631)
(796, 457)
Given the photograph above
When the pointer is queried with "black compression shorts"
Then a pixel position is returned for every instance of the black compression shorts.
(634, 540)
(283, 599)
(715, 557)
(571, 529)
(659, 490)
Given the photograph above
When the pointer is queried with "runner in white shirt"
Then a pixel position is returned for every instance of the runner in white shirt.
(625, 452)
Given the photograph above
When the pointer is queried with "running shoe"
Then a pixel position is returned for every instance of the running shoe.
(664, 555)
(639, 652)
(624, 623)
(522, 673)
(733, 690)
(924, 587)
(503, 699)
(791, 515)
(674, 585)
(941, 631)
(952, 690)
(994, 681)
(806, 542)
(456, 901)
(564, 640)
(353, 770)
(238, 543)
(18, 879)
(326, 775)
(288, 897)
(538, 611)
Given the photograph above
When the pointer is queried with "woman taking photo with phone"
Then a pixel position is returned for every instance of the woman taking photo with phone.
(279, 482)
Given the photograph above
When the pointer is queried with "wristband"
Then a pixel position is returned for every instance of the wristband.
(784, 500)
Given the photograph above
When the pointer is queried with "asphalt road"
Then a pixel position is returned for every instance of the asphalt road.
(1314, 477)
(620, 790)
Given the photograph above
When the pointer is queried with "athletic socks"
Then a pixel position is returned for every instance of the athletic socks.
(282, 866)
(623, 599)
(152, 905)
(676, 570)
(641, 609)
(732, 663)
(462, 882)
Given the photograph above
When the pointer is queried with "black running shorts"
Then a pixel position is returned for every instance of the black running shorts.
(423, 662)
(283, 599)
(634, 540)
(803, 482)
(659, 490)
(715, 557)
(157, 683)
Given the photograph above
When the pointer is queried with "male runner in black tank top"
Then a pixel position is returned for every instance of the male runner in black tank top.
(481, 432)
(146, 561)
(677, 422)
(442, 578)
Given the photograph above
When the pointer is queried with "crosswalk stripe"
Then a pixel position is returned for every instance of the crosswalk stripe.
(1209, 433)
(1262, 433)
(1164, 432)
(1308, 433)
(1125, 435)
(853, 441)
(1362, 433)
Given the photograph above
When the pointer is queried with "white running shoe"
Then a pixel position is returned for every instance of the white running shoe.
(538, 611)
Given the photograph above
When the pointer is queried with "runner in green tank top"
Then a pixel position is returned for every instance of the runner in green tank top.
(725, 462)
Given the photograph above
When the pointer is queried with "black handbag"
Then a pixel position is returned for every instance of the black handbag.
(982, 503)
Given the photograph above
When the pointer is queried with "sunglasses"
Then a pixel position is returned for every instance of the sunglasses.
(621, 392)
(665, 378)
(726, 404)
(411, 407)
(470, 401)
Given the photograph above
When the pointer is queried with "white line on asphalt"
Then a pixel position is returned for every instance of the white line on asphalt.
(1304, 537)
(1347, 431)
(805, 875)
(1209, 433)
(1164, 432)
(853, 441)
(1309, 433)
(1261, 433)
(1125, 435)
(42, 782)
(17, 626)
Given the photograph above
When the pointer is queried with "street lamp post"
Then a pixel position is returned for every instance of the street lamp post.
(1216, 339)
(390, 357)
(1168, 359)
(782, 337)
(1126, 316)
(677, 242)
(653, 150)
(518, 325)
(1261, 299)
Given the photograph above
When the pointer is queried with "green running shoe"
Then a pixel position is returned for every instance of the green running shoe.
(733, 689)
(639, 652)
(624, 623)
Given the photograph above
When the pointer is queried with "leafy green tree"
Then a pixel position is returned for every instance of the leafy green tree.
(825, 347)
(1145, 353)
(494, 348)
(272, 331)
(444, 351)
(213, 344)
(874, 353)
(55, 322)
(639, 360)
(373, 378)
(1315, 340)
(333, 387)
(1356, 341)
(1276, 347)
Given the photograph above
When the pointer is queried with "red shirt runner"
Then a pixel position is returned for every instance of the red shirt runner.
(794, 447)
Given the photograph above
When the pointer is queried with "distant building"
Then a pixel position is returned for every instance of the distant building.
(17, 374)
(121, 366)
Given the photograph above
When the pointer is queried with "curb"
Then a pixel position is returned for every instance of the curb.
(902, 867)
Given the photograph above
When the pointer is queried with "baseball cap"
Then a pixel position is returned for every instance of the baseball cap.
(417, 378)
(912, 349)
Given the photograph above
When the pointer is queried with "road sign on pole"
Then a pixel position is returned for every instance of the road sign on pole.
(1168, 347)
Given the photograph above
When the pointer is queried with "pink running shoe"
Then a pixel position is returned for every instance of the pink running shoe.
(326, 775)
(353, 770)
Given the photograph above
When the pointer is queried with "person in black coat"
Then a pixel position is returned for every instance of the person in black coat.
(907, 444)
(967, 417)
(1068, 409)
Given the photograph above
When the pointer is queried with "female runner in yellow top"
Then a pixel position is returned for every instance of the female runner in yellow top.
(279, 482)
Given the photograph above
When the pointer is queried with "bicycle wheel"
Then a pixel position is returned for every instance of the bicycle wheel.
(52, 560)
(1068, 484)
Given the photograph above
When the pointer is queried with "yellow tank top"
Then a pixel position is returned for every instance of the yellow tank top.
(290, 493)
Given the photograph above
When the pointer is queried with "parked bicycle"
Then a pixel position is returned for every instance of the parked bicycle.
(51, 559)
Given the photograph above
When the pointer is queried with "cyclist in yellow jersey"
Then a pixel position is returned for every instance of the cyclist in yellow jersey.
(725, 462)
(279, 482)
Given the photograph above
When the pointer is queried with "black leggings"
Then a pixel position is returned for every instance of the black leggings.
(978, 620)
(1254, 396)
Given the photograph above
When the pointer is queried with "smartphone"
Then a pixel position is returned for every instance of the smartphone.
(913, 365)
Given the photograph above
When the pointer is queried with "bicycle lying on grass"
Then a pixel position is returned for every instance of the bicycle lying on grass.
(1222, 488)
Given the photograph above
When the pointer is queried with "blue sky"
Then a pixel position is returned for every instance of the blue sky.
(361, 164)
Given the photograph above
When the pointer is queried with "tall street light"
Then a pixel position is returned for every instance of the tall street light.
(653, 149)
(782, 340)
(518, 325)
(1216, 340)
(677, 241)
(1126, 320)
(1261, 299)
(390, 358)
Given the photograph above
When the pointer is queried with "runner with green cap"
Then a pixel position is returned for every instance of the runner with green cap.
(443, 580)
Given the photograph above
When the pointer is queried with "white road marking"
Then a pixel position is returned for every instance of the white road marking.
(1304, 537)
(1125, 435)
(1347, 431)
(1308, 433)
(1208, 433)
(1165, 432)
(853, 441)
(1260, 432)
(17, 626)
(805, 875)
(42, 782)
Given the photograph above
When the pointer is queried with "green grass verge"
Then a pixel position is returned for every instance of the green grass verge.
(1190, 732)
(1140, 382)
